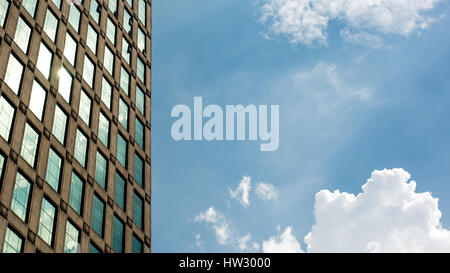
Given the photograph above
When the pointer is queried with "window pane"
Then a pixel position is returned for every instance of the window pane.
(76, 193)
(22, 36)
(137, 210)
(106, 93)
(138, 170)
(109, 60)
(72, 239)
(142, 11)
(130, 3)
(13, 77)
(81, 143)
(98, 209)
(122, 150)
(85, 107)
(46, 221)
(91, 39)
(65, 84)
(59, 125)
(37, 100)
(88, 71)
(126, 50)
(117, 235)
(51, 25)
(93, 249)
(29, 145)
(29, 5)
(4, 5)
(44, 61)
(124, 80)
(140, 70)
(103, 129)
(112, 5)
(74, 17)
(141, 40)
(140, 100)
(111, 31)
(57, 3)
(119, 191)
(2, 161)
(95, 11)
(70, 49)
(137, 245)
(123, 113)
(139, 133)
(53, 170)
(13, 243)
(19, 204)
(7, 114)
(127, 21)
(101, 170)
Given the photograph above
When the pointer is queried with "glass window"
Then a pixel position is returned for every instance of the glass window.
(112, 5)
(70, 49)
(124, 80)
(123, 113)
(74, 17)
(103, 129)
(127, 21)
(98, 210)
(130, 3)
(138, 169)
(126, 50)
(109, 60)
(72, 239)
(85, 107)
(22, 36)
(54, 166)
(140, 70)
(101, 170)
(65, 84)
(37, 100)
(122, 150)
(2, 161)
(57, 3)
(4, 5)
(92, 37)
(119, 191)
(95, 11)
(140, 100)
(7, 114)
(93, 249)
(13, 76)
(76, 193)
(46, 221)
(29, 5)
(111, 31)
(51, 25)
(141, 40)
(44, 61)
(142, 11)
(88, 71)
(81, 144)
(106, 92)
(29, 145)
(13, 243)
(137, 245)
(117, 244)
(137, 210)
(19, 203)
(59, 125)
(139, 133)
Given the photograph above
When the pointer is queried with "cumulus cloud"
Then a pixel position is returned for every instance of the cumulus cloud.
(387, 216)
(306, 21)
(284, 243)
(266, 191)
(218, 222)
(242, 192)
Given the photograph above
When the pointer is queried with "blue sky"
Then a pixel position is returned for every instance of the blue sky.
(346, 110)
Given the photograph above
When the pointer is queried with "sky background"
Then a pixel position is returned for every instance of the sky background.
(346, 109)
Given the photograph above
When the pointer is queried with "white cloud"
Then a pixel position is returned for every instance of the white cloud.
(284, 243)
(388, 216)
(242, 192)
(306, 21)
(245, 244)
(266, 191)
(363, 38)
(219, 223)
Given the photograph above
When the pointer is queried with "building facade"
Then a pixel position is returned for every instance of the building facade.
(75, 95)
